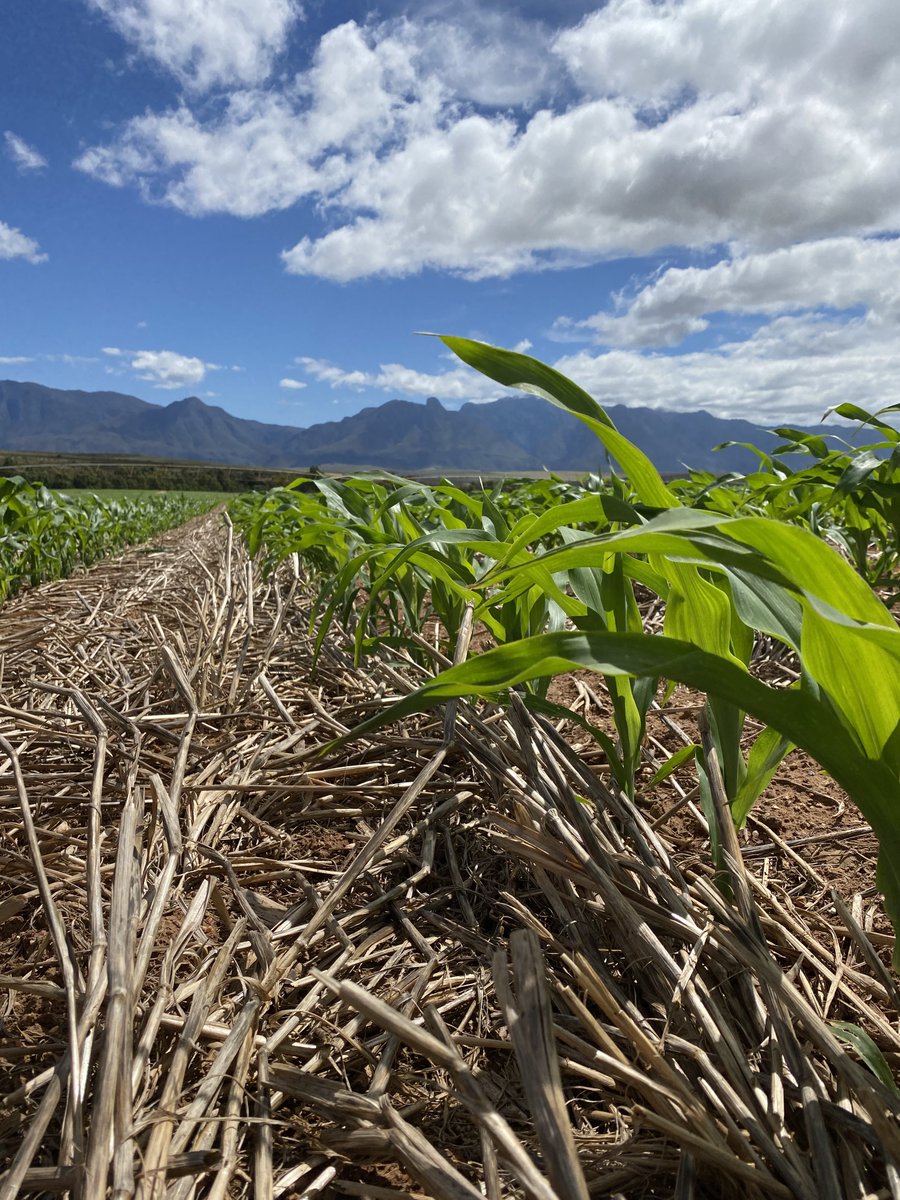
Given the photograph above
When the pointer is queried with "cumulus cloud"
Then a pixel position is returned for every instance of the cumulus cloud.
(292, 385)
(838, 274)
(792, 369)
(265, 150)
(206, 42)
(659, 54)
(802, 360)
(14, 244)
(454, 386)
(674, 122)
(488, 56)
(165, 369)
(24, 156)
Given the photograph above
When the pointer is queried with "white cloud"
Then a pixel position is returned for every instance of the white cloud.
(834, 273)
(454, 386)
(165, 369)
(701, 123)
(693, 123)
(793, 369)
(485, 55)
(24, 156)
(262, 150)
(367, 88)
(14, 244)
(206, 42)
(292, 384)
(69, 360)
(829, 334)
(657, 54)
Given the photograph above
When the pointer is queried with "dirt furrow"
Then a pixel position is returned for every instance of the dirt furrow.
(447, 961)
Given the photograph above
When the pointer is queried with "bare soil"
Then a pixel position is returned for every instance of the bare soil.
(444, 960)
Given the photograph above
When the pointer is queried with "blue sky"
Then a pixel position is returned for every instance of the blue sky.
(682, 203)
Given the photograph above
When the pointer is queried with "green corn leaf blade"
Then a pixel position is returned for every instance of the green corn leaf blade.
(629, 721)
(861, 676)
(494, 521)
(766, 755)
(671, 765)
(400, 496)
(644, 689)
(765, 606)
(641, 572)
(814, 443)
(463, 499)
(528, 374)
(529, 530)
(341, 591)
(346, 502)
(477, 540)
(726, 724)
(711, 812)
(867, 1051)
(585, 583)
(849, 641)
(743, 634)
(697, 610)
(857, 473)
(854, 413)
(763, 457)
(549, 614)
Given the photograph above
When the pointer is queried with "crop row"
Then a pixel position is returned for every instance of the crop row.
(555, 573)
(47, 535)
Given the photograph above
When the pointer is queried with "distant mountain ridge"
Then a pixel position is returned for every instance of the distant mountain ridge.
(514, 433)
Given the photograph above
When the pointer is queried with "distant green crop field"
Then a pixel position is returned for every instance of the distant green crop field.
(133, 473)
(210, 499)
(48, 535)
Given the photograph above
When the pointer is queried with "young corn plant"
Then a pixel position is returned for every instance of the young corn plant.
(724, 578)
(47, 535)
(390, 555)
(847, 494)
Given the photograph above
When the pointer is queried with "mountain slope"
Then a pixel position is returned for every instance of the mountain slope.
(515, 433)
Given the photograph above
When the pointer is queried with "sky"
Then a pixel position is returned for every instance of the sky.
(683, 204)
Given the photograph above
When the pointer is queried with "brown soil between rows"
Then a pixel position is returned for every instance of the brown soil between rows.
(270, 825)
(802, 804)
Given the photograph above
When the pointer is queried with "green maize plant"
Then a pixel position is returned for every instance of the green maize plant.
(47, 535)
(847, 494)
(389, 555)
(356, 537)
(724, 578)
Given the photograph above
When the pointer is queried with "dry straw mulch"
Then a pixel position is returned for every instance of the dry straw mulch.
(447, 962)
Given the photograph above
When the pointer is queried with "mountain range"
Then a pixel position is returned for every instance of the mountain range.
(514, 433)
